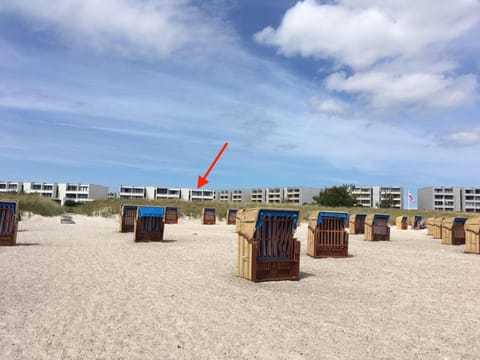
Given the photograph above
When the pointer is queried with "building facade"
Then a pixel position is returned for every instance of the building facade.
(80, 193)
(471, 199)
(374, 196)
(272, 195)
(11, 186)
(445, 198)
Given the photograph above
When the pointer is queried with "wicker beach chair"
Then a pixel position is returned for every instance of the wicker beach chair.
(453, 231)
(326, 234)
(8, 222)
(208, 216)
(418, 223)
(128, 214)
(231, 217)
(171, 215)
(472, 235)
(401, 222)
(267, 250)
(238, 219)
(357, 223)
(437, 227)
(149, 224)
(377, 228)
(430, 225)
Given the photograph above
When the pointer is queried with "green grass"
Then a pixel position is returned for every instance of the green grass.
(36, 204)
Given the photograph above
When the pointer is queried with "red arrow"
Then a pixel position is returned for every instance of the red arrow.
(202, 180)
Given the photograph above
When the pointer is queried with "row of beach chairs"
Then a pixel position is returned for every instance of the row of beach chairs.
(267, 249)
(456, 231)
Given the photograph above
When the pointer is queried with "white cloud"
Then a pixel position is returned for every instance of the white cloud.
(397, 51)
(463, 138)
(386, 90)
(360, 33)
(149, 28)
(328, 105)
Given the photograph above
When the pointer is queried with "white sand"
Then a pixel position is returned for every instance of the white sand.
(86, 291)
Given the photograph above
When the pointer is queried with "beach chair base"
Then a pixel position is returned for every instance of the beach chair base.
(149, 229)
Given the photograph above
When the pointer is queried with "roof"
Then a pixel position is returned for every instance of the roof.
(371, 218)
(473, 224)
(317, 217)
(252, 219)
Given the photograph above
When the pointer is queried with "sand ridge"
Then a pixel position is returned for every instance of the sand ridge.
(86, 291)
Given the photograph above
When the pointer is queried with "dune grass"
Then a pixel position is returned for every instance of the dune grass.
(36, 204)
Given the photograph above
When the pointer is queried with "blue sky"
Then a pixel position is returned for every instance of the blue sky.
(307, 93)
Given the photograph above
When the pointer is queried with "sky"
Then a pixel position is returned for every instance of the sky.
(306, 93)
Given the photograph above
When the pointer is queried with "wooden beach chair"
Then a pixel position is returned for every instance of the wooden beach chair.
(326, 234)
(231, 217)
(430, 225)
(208, 216)
(437, 227)
(171, 215)
(128, 214)
(8, 222)
(377, 228)
(401, 222)
(149, 224)
(453, 231)
(418, 223)
(472, 235)
(238, 219)
(357, 223)
(267, 250)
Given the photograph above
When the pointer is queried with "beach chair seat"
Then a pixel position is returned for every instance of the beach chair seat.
(231, 217)
(267, 250)
(401, 222)
(327, 236)
(377, 227)
(128, 214)
(418, 222)
(357, 223)
(208, 216)
(453, 231)
(171, 215)
(8, 222)
(472, 235)
(149, 224)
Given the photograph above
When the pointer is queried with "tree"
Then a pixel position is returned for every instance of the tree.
(387, 202)
(335, 196)
(70, 203)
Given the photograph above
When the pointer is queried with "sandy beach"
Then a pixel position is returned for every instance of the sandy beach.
(86, 291)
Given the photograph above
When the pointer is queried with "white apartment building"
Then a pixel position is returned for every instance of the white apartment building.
(440, 198)
(57, 191)
(11, 186)
(258, 195)
(197, 194)
(156, 192)
(167, 193)
(276, 195)
(132, 192)
(372, 196)
(363, 195)
(80, 193)
(48, 190)
(471, 199)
